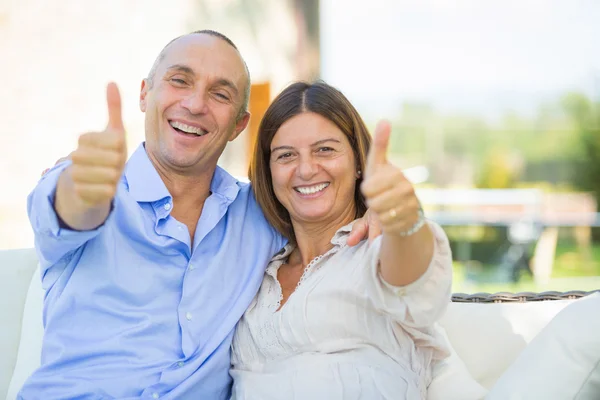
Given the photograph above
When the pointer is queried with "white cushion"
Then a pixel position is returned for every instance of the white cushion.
(562, 362)
(488, 337)
(452, 380)
(16, 268)
(30, 346)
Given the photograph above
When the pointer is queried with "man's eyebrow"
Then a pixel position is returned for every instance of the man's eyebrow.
(181, 68)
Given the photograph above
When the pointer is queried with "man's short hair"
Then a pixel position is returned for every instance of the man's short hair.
(210, 32)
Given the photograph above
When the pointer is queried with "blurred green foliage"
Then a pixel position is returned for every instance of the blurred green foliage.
(559, 145)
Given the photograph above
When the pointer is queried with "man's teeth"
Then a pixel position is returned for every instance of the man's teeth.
(312, 189)
(187, 129)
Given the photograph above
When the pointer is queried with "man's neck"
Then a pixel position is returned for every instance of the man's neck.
(189, 192)
(186, 186)
(195, 189)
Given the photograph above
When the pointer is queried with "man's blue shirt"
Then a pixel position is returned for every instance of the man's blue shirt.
(133, 309)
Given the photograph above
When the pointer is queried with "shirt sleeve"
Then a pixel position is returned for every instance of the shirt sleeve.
(53, 243)
(421, 303)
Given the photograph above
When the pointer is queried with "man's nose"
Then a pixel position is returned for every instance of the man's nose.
(195, 102)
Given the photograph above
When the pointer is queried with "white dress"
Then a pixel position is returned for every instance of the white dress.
(344, 333)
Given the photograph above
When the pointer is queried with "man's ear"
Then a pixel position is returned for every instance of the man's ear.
(240, 125)
(143, 93)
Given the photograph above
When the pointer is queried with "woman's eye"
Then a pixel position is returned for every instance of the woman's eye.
(324, 149)
(284, 155)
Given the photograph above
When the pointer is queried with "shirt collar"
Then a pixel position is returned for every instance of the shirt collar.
(339, 240)
(224, 185)
(341, 236)
(145, 184)
(142, 179)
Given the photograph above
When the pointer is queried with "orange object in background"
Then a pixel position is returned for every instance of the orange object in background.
(260, 98)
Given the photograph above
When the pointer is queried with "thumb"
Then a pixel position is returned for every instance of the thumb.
(379, 147)
(113, 101)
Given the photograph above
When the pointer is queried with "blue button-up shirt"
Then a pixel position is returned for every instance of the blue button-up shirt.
(134, 309)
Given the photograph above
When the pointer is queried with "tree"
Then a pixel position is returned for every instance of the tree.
(585, 115)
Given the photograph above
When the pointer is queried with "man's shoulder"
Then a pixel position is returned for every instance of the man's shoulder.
(245, 201)
(245, 192)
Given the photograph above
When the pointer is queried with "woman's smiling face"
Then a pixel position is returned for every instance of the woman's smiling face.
(313, 169)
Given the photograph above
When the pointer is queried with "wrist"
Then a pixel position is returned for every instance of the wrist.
(417, 226)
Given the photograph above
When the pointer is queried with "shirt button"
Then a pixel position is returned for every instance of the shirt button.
(155, 395)
(167, 206)
(188, 316)
(191, 267)
(180, 364)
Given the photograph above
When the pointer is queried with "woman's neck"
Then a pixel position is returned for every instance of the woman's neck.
(314, 239)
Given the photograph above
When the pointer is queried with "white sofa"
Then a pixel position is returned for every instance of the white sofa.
(486, 337)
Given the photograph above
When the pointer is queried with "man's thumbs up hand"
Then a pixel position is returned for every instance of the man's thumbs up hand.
(100, 157)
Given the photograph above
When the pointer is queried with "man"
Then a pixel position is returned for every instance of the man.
(148, 265)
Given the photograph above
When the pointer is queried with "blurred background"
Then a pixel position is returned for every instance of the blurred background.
(495, 107)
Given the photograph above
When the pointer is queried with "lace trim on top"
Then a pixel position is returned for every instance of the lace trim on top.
(312, 267)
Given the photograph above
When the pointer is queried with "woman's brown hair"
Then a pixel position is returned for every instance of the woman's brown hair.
(298, 98)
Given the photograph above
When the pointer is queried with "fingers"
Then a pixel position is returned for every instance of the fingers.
(374, 226)
(386, 178)
(379, 147)
(392, 198)
(95, 174)
(95, 194)
(359, 231)
(85, 155)
(109, 140)
(113, 101)
(402, 195)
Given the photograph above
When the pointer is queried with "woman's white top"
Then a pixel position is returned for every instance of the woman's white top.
(344, 333)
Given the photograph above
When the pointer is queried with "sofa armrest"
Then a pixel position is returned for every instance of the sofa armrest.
(16, 271)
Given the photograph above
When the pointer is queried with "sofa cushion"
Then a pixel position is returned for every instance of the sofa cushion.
(32, 332)
(452, 380)
(16, 268)
(489, 336)
(562, 362)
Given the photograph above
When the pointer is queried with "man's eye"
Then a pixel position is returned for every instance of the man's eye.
(178, 81)
(222, 96)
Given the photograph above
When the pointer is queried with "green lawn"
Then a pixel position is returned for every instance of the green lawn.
(573, 270)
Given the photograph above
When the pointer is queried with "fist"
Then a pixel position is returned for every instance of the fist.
(100, 157)
(389, 194)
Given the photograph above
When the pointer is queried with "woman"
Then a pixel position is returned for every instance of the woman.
(332, 321)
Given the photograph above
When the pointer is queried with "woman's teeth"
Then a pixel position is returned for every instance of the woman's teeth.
(311, 189)
(187, 129)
